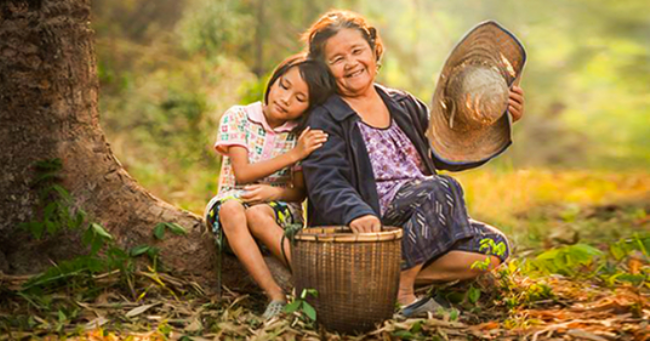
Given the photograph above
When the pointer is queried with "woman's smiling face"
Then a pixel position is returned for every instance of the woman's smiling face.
(352, 62)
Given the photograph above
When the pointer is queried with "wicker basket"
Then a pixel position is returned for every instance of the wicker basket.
(356, 275)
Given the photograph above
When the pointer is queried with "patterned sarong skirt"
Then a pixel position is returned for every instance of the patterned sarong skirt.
(433, 215)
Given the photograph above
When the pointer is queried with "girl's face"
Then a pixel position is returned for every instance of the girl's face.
(352, 62)
(288, 98)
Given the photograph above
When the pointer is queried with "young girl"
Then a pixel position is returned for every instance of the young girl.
(261, 188)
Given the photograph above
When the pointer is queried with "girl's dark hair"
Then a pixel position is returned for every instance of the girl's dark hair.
(332, 23)
(320, 83)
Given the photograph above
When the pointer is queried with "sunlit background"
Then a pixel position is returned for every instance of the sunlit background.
(169, 68)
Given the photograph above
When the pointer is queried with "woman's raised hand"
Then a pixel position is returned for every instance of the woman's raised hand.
(516, 103)
(309, 141)
(366, 223)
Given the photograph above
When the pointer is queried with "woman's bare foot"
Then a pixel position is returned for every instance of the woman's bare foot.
(406, 297)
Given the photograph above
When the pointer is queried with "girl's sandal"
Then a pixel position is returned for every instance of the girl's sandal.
(273, 309)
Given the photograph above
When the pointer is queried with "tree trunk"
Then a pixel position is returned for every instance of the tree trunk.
(258, 69)
(48, 109)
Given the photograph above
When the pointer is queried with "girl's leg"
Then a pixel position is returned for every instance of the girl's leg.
(262, 224)
(454, 265)
(233, 220)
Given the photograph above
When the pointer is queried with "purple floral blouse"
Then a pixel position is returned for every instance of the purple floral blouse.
(394, 160)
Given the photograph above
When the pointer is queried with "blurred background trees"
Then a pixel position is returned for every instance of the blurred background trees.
(168, 70)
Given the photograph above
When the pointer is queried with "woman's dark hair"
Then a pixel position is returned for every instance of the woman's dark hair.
(332, 23)
(320, 83)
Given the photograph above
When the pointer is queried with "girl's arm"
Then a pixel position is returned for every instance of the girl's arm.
(246, 172)
(264, 193)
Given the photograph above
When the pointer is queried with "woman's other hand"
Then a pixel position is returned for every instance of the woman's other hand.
(255, 194)
(366, 223)
(516, 103)
(309, 141)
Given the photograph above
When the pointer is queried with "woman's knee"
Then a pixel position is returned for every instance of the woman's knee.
(494, 262)
(499, 247)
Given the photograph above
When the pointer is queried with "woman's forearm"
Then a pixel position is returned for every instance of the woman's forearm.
(292, 194)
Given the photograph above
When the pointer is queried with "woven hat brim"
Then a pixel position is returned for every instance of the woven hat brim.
(490, 45)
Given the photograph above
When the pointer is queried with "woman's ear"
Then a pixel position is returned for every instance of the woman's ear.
(377, 58)
(376, 51)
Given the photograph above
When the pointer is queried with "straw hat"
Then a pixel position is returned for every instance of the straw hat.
(468, 114)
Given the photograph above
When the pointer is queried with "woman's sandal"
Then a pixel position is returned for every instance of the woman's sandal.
(420, 308)
(273, 309)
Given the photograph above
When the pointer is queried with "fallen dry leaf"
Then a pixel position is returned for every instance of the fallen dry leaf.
(585, 335)
(139, 310)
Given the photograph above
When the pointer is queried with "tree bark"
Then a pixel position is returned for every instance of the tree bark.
(258, 69)
(48, 109)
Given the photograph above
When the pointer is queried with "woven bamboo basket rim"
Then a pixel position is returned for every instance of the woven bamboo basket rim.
(344, 234)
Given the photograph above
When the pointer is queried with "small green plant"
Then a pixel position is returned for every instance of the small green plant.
(159, 233)
(82, 268)
(104, 254)
(159, 230)
(473, 294)
(300, 304)
(625, 247)
(151, 251)
(570, 260)
(491, 249)
(57, 212)
(55, 207)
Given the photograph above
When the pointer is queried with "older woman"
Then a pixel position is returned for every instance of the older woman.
(377, 167)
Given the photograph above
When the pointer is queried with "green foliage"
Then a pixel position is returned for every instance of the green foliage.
(300, 304)
(140, 250)
(55, 205)
(490, 247)
(79, 271)
(152, 252)
(473, 294)
(622, 264)
(254, 91)
(104, 255)
(567, 260)
(215, 27)
(159, 230)
(629, 256)
(404, 334)
(625, 247)
(96, 236)
(59, 215)
(514, 294)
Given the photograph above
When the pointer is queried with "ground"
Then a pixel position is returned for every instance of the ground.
(580, 271)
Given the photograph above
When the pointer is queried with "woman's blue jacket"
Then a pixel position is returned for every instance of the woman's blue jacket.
(340, 182)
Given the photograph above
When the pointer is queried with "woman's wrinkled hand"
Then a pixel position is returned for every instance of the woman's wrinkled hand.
(367, 223)
(309, 141)
(516, 103)
(255, 194)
